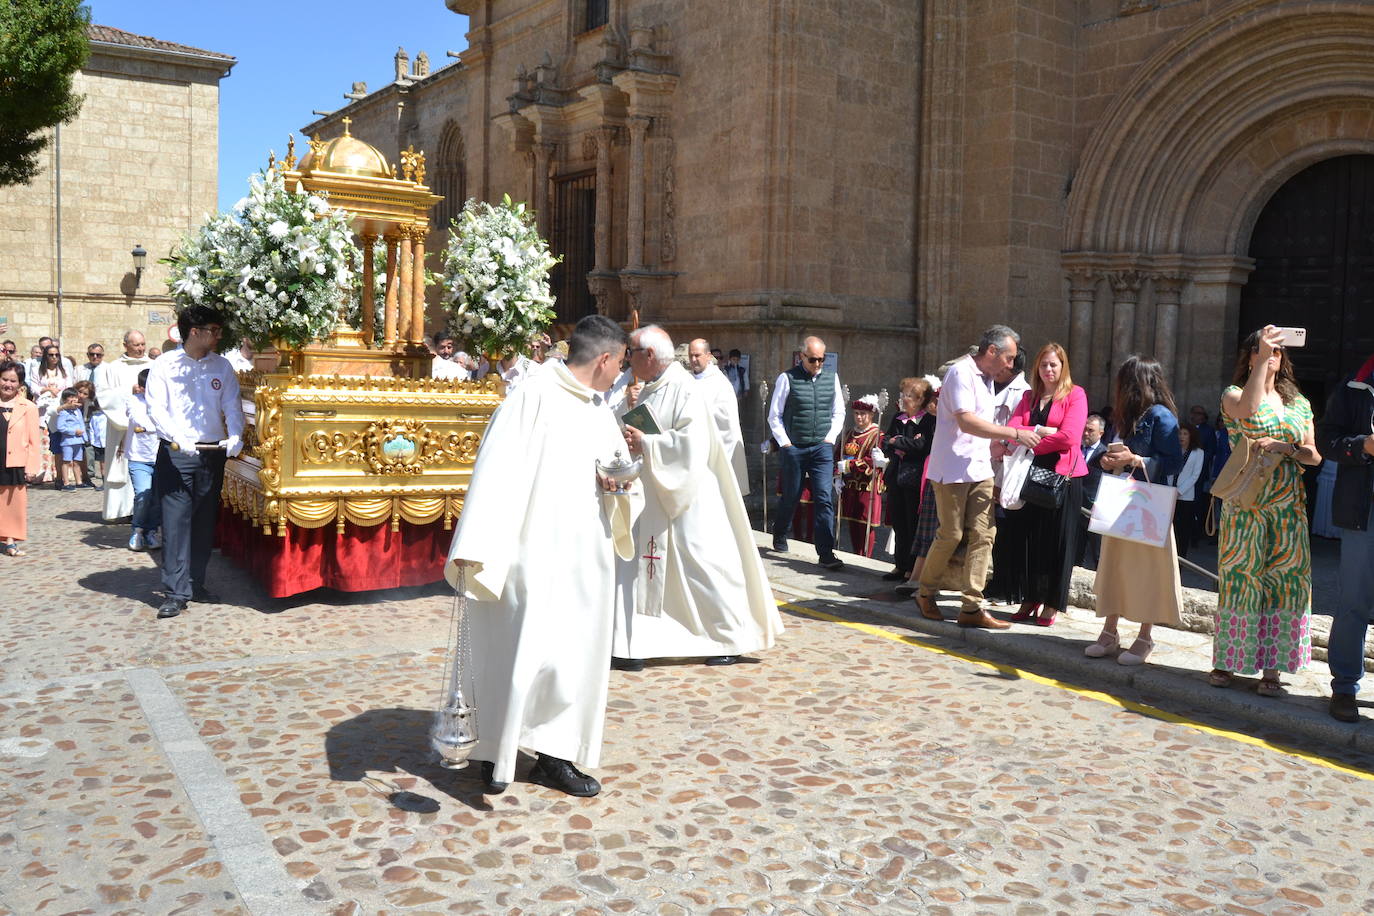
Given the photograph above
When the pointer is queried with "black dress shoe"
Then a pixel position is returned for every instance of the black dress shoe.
(1343, 707)
(831, 562)
(204, 596)
(563, 776)
(491, 786)
(717, 660)
(895, 575)
(780, 544)
(171, 608)
(627, 664)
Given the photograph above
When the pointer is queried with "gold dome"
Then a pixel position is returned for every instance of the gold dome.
(346, 155)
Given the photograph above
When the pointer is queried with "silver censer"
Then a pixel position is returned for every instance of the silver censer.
(622, 472)
(454, 733)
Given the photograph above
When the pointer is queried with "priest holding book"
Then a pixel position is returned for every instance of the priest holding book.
(696, 587)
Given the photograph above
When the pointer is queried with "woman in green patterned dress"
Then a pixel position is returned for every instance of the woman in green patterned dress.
(1264, 603)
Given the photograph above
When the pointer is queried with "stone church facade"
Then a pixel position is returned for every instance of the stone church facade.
(139, 166)
(896, 174)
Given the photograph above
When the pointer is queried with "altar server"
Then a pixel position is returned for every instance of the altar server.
(696, 587)
(536, 542)
(193, 402)
(724, 407)
(114, 389)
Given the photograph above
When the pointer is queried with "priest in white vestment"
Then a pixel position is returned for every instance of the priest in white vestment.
(536, 540)
(114, 389)
(724, 407)
(696, 587)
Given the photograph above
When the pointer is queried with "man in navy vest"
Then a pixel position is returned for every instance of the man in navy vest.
(806, 416)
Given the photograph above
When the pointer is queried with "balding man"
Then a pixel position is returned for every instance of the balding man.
(696, 587)
(114, 388)
(806, 417)
(720, 400)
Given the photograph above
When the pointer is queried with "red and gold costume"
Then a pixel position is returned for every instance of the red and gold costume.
(861, 500)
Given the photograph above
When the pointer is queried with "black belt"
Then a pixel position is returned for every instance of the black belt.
(200, 446)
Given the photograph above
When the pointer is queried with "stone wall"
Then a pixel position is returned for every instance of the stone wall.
(138, 166)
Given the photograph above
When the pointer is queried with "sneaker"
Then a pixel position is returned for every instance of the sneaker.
(153, 541)
(136, 541)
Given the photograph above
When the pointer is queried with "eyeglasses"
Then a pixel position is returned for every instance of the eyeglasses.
(813, 360)
(94, 354)
(631, 351)
(212, 328)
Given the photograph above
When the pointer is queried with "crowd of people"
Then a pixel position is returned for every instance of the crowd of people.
(988, 481)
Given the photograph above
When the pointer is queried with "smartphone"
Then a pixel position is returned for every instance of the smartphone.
(1293, 337)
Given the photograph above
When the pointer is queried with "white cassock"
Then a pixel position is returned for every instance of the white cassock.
(537, 533)
(696, 586)
(114, 388)
(724, 407)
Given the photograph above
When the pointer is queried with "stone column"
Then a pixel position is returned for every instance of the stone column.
(1082, 300)
(367, 310)
(392, 292)
(634, 218)
(1125, 295)
(417, 289)
(543, 154)
(604, 136)
(405, 287)
(1168, 290)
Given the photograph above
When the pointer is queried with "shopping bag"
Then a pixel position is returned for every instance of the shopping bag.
(1015, 467)
(1134, 510)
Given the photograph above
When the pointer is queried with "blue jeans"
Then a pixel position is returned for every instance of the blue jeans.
(816, 463)
(147, 510)
(1354, 609)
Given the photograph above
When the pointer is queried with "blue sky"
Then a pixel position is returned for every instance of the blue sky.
(294, 57)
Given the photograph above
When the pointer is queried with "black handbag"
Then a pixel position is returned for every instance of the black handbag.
(1044, 487)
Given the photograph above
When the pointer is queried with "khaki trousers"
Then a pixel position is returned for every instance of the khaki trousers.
(965, 511)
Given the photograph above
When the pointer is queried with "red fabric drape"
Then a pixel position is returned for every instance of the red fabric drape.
(359, 560)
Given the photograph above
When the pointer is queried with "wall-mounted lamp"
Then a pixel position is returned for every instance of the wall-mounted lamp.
(140, 259)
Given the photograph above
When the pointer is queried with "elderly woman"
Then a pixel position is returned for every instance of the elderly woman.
(1138, 581)
(23, 449)
(1057, 410)
(1264, 602)
(907, 445)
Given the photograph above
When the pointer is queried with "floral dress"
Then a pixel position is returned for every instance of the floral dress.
(1264, 603)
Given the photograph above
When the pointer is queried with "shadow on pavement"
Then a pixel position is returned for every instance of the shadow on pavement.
(1063, 664)
(137, 583)
(396, 741)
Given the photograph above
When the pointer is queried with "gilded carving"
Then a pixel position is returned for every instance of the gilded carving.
(392, 447)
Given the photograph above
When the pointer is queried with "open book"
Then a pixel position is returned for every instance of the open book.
(642, 418)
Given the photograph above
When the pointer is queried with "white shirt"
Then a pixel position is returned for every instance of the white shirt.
(85, 372)
(523, 368)
(956, 456)
(447, 368)
(139, 446)
(781, 390)
(194, 401)
(240, 362)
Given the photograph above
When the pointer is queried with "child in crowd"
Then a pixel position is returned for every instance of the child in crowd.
(140, 446)
(95, 434)
(71, 437)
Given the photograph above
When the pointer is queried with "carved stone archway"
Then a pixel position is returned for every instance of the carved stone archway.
(1180, 166)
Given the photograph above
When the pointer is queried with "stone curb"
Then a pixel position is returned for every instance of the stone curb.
(1284, 720)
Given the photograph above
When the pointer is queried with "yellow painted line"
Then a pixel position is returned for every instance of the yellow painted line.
(1151, 711)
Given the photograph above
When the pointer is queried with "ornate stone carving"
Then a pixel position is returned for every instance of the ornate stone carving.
(602, 285)
(668, 251)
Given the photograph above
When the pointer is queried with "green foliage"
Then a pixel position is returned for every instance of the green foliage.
(42, 44)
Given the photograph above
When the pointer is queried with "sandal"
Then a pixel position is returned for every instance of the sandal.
(1269, 687)
(1220, 678)
(1106, 643)
(12, 550)
(1137, 653)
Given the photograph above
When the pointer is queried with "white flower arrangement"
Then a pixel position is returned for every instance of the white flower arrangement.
(496, 277)
(279, 267)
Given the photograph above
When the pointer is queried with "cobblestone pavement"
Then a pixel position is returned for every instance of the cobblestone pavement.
(268, 757)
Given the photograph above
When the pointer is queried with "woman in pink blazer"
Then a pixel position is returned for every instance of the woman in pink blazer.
(1057, 409)
(23, 450)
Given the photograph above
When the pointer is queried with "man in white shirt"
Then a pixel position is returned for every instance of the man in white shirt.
(960, 472)
(444, 365)
(720, 400)
(87, 371)
(806, 417)
(31, 365)
(114, 385)
(193, 403)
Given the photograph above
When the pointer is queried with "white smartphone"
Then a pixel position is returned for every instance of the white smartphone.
(1293, 337)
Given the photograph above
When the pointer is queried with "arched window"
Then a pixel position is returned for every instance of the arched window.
(450, 177)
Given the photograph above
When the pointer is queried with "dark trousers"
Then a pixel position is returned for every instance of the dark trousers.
(815, 463)
(1089, 544)
(903, 508)
(1185, 513)
(188, 485)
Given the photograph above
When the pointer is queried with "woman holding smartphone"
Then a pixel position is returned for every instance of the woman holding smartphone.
(1138, 581)
(1264, 601)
